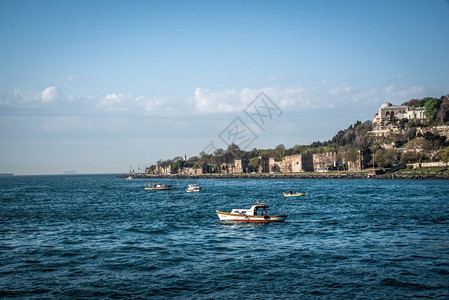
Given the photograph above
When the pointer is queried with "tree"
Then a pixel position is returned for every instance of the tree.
(436, 141)
(352, 155)
(443, 112)
(385, 158)
(412, 103)
(233, 152)
(363, 142)
(432, 107)
(279, 152)
(445, 156)
(192, 161)
(255, 163)
(177, 165)
(417, 149)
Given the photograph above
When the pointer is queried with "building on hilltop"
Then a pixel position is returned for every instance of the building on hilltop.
(389, 115)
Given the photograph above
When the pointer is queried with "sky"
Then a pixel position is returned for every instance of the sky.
(110, 86)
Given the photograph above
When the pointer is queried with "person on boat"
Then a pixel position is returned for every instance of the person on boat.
(291, 192)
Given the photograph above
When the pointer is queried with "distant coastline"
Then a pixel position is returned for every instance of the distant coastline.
(6, 174)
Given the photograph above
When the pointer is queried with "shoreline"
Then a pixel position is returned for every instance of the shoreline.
(287, 176)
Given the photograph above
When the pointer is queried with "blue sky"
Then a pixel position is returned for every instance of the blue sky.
(99, 86)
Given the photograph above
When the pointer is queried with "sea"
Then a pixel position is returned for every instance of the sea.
(104, 237)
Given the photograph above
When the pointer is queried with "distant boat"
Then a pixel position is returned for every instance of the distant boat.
(193, 188)
(251, 215)
(158, 187)
(129, 177)
(291, 194)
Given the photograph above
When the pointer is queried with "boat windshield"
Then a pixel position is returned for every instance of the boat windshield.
(261, 211)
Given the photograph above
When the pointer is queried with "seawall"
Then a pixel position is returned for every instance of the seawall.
(289, 176)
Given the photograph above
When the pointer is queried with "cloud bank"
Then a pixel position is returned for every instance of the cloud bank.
(53, 100)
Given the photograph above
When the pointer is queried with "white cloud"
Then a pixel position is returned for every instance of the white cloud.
(139, 104)
(24, 97)
(293, 98)
(340, 90)
(52, 100)
(405, 93)
(51, 94)
(229, 100)
(389, 89)
(236, 100)
(116, 102)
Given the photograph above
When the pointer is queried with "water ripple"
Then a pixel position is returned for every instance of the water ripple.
(105, 237)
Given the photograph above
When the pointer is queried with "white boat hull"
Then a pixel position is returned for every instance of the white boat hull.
(228, 217)
(294, 195)
(158, 188)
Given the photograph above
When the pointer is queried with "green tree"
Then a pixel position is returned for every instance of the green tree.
(412, 103)
(255, 163)
(445, 156)
(432, 106)
(192, 161)
(436, 141)
(352, 155)
(177, 165)
(443, 113)
(385, 158)
(279, 152)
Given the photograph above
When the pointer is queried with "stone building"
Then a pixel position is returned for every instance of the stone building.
(324, 161)
(302, 163)
(192, 171)
(357, 165)
(291, 163)
(389, 115)
(336, 161)
(163, 170)
(240, 166)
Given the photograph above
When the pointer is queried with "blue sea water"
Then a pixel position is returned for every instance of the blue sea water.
(99, 236)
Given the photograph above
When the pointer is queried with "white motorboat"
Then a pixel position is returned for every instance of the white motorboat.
(158, 187)
(193, 188)
(291, 194)
(257, 213)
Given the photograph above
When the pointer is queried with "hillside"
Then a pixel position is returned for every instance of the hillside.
(403, 142)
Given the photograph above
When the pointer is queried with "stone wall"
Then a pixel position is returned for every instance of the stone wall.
(302, 162)
(192, 171)
(324, 161)
(292, 163)
(240, 166)
(357, 165)
(441, 130)
(428, 164)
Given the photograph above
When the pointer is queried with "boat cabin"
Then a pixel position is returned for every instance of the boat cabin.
(255, 210)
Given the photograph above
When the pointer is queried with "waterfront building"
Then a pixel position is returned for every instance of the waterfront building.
(240, 166)
(291, 163)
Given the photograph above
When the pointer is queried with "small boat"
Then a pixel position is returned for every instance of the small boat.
(158, 187)
(129, 177)
(193, 188)
(291, 194)
(251, 215)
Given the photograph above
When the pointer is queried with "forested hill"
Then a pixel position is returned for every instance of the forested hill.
(421, 143)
